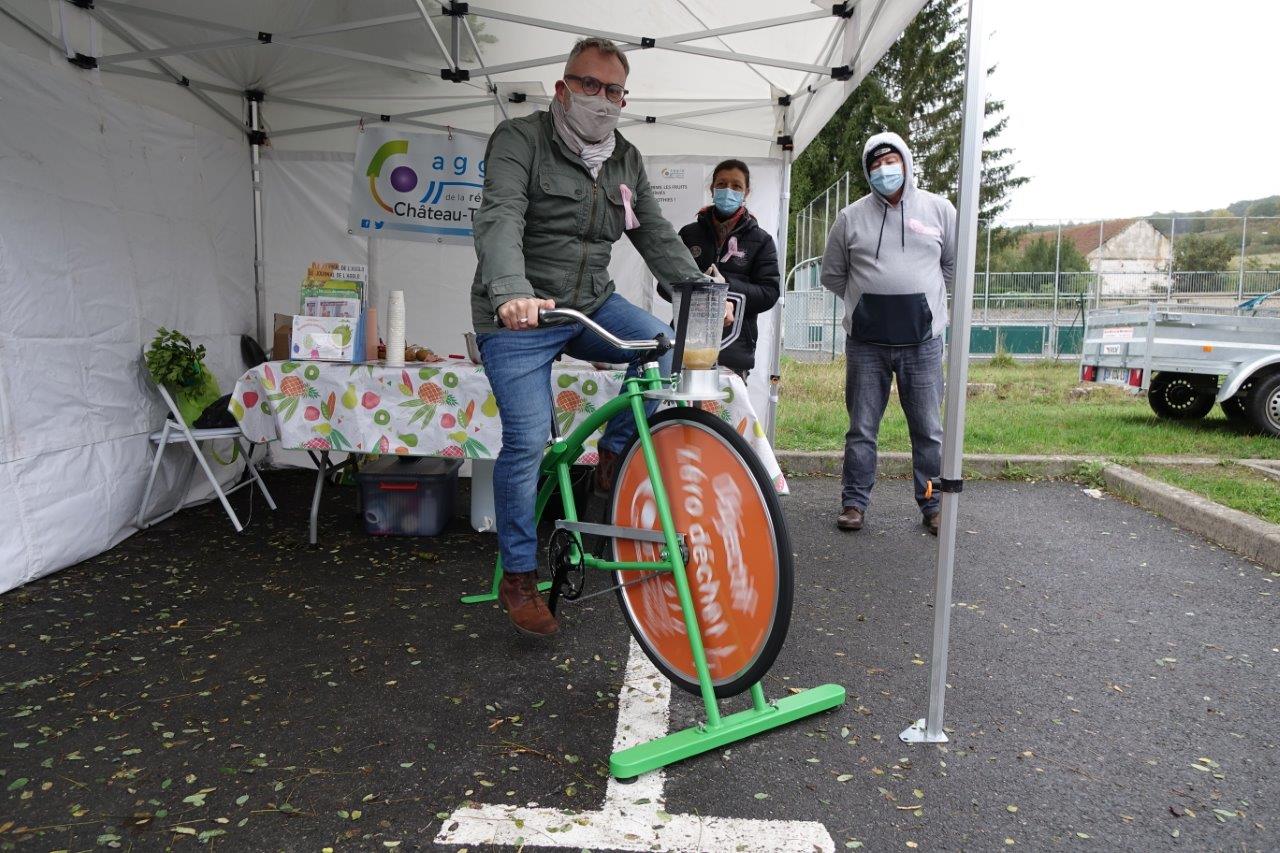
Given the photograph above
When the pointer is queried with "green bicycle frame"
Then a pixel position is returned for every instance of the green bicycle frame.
(718, 730)
(563, 453)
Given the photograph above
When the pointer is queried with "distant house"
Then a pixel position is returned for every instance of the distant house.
(1131, 255)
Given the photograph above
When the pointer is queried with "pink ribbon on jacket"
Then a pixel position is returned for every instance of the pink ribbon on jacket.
(731, 251)
(630, 215)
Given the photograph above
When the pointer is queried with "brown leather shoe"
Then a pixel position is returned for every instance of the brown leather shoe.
(606, 470)
(933, 522)
(850, 518)
(519, 597)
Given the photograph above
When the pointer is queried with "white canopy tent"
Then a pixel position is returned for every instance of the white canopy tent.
(129, 199)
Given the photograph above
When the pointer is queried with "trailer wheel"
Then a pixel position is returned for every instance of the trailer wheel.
(1236, 407)
(1264, 404)
(1179, 396)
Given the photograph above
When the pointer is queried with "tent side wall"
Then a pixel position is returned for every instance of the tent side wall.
(115, 219)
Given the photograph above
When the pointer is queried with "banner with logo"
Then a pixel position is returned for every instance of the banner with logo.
(680, 188)
(416, 186)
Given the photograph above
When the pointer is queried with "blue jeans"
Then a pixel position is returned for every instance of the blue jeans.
(868, 371)
(518, 364)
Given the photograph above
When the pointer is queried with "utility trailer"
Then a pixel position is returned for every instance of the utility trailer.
(1188, 357)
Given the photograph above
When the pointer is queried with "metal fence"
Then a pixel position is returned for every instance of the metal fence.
(1024, 314)
(1034, 281)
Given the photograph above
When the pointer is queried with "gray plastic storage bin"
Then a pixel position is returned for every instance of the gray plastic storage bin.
(408, 495)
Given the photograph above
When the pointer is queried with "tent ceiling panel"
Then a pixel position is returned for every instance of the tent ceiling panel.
(381, 57)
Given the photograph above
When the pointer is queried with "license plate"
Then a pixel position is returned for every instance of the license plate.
(1114, 375)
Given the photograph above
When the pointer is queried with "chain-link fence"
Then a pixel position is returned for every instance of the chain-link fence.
(1034, 281)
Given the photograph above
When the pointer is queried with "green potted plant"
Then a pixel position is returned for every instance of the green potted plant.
(177, 365)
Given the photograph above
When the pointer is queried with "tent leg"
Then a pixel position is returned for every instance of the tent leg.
(259, 268)
(322, 468)
(779, 310)
(929, 730)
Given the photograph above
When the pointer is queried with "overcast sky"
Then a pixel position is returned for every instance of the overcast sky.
(1125, 107)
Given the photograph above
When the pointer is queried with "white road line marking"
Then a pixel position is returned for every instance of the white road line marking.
(621, 823)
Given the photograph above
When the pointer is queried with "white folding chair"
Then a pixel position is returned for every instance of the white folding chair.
(176, 431)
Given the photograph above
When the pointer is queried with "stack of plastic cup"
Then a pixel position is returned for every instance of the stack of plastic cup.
(395, 329)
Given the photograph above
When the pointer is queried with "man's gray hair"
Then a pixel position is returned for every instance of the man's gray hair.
(602, 45)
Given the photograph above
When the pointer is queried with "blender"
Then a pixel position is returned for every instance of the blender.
(698, 312)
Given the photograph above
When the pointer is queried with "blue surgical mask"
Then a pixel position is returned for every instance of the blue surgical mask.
(727, 201)
(887, 178)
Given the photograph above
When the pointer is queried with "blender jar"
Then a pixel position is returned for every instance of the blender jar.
(705, 326)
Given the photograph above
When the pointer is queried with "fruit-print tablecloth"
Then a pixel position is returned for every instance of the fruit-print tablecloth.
(441, 409)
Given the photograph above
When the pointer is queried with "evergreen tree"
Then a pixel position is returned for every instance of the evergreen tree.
(917, 91)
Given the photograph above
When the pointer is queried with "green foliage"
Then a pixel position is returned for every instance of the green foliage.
(1090, 473)
(917, 91)
(1202, 253)
(1041, 254)
(173, 361)
(1002, 359)
(1269, 206)
(1264, 207)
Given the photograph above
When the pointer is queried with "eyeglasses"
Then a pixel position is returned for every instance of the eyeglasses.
(592, 86)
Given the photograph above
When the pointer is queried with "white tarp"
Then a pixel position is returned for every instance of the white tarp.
(316, 63)
(114, 219)
(126, 200)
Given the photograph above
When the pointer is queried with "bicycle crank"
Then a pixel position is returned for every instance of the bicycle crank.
(568, 574)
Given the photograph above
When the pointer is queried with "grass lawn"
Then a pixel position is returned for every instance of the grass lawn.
(1030, 410)
(1230, 485)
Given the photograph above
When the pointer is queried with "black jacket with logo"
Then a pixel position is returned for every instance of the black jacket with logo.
(748, 260)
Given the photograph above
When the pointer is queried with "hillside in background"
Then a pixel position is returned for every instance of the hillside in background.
(1262, 236)
(1269, 206)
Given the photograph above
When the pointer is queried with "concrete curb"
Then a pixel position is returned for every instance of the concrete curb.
(1267, 468)
(978, 466)
(1230, 528)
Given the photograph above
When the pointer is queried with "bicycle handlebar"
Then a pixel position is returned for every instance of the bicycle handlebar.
(609, 337)
(661, 342)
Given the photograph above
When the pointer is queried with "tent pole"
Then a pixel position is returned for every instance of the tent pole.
(32, 27)
(259, 261)
(929, 730)
(779, 312)
(119, 31)
(372, 296)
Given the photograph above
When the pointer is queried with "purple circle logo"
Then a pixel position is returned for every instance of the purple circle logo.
(403, 179)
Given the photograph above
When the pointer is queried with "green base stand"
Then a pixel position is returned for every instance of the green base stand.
(492, 594)
(686, 743)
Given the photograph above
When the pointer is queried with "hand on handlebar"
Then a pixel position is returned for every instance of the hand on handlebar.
(522, 313)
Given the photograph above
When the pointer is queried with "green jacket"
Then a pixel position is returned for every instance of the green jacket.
(546, 229)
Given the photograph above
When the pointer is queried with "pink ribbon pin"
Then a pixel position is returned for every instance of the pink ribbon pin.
(630, 215)
(732, 251)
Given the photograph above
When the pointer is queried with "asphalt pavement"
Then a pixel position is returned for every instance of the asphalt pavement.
(1113, 686)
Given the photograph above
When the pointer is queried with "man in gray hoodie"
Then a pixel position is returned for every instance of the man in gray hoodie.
(891, 257)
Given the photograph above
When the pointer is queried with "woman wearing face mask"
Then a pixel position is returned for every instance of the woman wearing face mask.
(726, 239)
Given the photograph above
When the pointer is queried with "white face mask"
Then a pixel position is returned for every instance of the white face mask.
(591, 117)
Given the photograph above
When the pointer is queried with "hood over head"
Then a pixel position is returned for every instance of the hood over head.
(894, 141)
